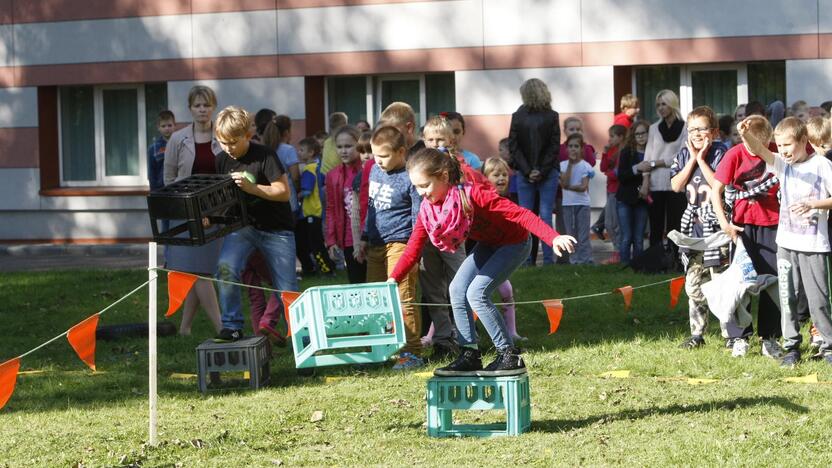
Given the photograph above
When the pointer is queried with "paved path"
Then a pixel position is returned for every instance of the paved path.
(44, 257)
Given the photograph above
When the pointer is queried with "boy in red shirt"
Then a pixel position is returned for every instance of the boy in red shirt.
(754, 220)
(629, 111)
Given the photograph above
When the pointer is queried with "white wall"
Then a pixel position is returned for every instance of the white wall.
(574, 89)
(808, 80)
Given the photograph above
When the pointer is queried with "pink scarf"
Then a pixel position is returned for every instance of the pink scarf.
(447, 224)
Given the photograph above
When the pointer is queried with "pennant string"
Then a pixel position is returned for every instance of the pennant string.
(138, 288)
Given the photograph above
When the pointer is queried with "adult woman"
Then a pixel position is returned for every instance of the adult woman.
(664, 140)
(534, 143)
(192, 150)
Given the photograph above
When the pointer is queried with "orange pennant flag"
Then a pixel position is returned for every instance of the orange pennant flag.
(8, 378)
(627, 292)
(554, 310)
(476, 317)
(288, 297)
(676, 285)
(82, 339)
(179, 284)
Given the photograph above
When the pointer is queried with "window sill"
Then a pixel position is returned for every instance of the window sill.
(95, 191)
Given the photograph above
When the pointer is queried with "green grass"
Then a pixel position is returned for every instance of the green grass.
(374, 416)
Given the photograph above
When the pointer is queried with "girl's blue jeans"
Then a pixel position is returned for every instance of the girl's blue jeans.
(479, 275)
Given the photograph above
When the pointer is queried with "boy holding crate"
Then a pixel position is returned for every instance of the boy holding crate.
(257, 172)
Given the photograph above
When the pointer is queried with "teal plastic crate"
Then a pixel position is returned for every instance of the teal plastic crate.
(349, 324)
(447, 394)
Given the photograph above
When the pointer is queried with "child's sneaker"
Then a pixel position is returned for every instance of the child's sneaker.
(740, 347)
(729, 343)
(516, 338)
(790, 359)
(508, 362)
(408, 361)
(468, 362)
(693, 342)
(817, 340)
(228, 335)
(771, 348)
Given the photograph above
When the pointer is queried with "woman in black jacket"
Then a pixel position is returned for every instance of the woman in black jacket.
(632, 200)
(534, 141)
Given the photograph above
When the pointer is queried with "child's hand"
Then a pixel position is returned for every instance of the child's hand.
(333, 251)
(206, 222)
(360, 252)
(245, 184)
(391, 280)
(732, 230)
(802, 207)
(562, 244)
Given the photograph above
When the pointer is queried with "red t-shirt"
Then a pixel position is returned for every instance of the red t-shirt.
(609, 164)
(742, 170)
(497, 221)
(204, 161)
(622, 119)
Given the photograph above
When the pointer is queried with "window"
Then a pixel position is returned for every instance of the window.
(767, 82)
(364, 97)
(649, 81)
(721, 86)
(104, 133)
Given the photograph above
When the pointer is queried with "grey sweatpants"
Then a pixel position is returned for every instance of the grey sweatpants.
(435, 275)
(611, 220)
(576, 221)
(811, 271)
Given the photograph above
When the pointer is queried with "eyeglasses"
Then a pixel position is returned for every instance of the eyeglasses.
(699, 130)
(640, 133)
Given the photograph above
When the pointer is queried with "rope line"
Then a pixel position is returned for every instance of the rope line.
(421, 304)
(97, 313)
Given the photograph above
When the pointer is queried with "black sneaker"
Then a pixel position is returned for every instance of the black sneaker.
(444, 351)
(228, 335)
(729, 343)
(508, 362)
(469, 362)
(790, 359)
(693, 342)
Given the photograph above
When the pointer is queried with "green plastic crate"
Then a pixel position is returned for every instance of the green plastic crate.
(349, 324)
(446, 394)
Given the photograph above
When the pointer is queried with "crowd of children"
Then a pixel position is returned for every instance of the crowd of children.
(395, 203)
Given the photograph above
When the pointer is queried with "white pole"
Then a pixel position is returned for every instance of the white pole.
(151, 334)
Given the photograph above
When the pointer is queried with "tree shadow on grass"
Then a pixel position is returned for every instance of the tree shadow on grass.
(552, 426)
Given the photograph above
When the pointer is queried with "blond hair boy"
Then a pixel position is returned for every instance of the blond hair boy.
(257, 172)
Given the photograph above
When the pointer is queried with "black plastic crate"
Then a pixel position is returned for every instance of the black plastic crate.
(185, 203)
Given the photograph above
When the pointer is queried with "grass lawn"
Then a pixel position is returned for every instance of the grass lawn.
(67, 415)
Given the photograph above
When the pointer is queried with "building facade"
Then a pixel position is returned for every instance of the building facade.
(81, 81)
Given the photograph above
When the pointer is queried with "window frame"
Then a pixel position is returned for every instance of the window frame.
(685, 91)
(101, 179)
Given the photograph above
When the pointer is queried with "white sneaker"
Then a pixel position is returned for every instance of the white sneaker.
(772, 349)
(740, 347)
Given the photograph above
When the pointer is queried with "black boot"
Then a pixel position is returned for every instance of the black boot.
(508, 362)
(469, 362)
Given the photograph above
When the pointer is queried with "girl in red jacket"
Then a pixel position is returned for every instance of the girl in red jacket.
(339, 202)
(453, 210)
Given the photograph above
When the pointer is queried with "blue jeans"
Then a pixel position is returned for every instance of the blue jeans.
(548, 189)
(279, 250)
(480, 274)
(632, 219)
